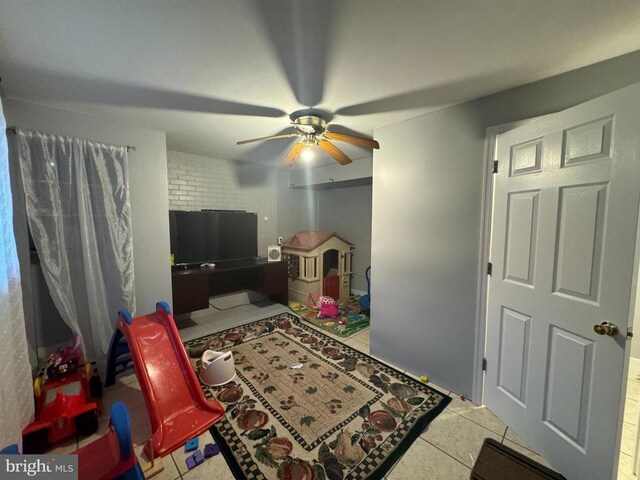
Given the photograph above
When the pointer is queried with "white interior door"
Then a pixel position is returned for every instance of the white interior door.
(562, 247)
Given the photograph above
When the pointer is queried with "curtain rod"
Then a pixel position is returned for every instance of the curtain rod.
(15, 130)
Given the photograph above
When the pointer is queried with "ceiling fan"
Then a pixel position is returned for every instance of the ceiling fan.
(311, 128)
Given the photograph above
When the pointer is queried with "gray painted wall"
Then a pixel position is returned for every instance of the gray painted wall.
(635, 344)
(297, 207)
(347, 211)
(426, 220)
(148, 188)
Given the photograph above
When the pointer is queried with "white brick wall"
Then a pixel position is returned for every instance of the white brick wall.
(197, 182)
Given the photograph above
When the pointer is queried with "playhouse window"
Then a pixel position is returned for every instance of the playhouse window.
(346, 262)
(293, 266)
(310, 268)
(301, 268)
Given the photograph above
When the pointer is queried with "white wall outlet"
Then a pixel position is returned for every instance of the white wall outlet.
(280, 241)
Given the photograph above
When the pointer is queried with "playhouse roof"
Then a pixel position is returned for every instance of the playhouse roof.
(311, 240)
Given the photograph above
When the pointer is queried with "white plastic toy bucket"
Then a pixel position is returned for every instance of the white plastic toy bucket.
(216, 368)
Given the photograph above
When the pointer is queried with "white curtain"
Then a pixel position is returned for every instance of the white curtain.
(77, 202)
(16, 392)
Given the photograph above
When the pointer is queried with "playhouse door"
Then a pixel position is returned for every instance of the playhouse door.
(562, 248)
(331, 286)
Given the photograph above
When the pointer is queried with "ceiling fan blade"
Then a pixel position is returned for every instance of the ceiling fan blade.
(337, 154)
(360, 141)
(97, 91)
(291, 156)
(272, 137)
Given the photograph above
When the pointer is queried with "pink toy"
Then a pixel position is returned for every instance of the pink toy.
(326, 306)
(177, 407)
(328, 310)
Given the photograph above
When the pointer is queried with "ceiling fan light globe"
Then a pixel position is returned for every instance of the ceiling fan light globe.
(306, 154)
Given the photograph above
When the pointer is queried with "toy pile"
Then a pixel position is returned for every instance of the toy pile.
(348, 320)
(68, 399)
(198, 457)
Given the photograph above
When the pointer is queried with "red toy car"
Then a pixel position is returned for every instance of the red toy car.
(68, 400)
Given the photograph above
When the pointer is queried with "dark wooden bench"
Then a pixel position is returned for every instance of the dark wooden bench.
(499, 462)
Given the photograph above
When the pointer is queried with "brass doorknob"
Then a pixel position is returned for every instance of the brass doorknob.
(606, 328)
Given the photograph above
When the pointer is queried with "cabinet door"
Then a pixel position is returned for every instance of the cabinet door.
(190, 292)
(276, 284)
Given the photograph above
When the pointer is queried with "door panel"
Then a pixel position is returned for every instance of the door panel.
(514, 354)
(522, 227)
(579, 245)
(526, 157)
(569, 380)
(563, 239)
(588, 142)
(331, 286)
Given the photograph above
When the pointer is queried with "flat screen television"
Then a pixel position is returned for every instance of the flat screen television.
(212, 236)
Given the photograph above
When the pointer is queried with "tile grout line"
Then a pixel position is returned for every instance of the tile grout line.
(361, 346)
(175, 464)
(479, 424)
(446, 453)
(521, 446)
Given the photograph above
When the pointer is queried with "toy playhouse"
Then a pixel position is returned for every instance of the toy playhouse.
(319, 263)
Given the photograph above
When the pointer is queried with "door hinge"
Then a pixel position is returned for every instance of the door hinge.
(495, 166)
(489, 268)
(484, 364)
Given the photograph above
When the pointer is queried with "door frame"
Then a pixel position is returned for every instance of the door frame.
(486, 217)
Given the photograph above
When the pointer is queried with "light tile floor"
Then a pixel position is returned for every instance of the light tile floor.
(629, 430)
(447, 449)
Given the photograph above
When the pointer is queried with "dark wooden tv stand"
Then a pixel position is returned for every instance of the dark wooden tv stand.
(192, 287)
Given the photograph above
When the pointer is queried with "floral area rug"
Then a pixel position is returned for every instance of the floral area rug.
(349, 321)
(306, 407)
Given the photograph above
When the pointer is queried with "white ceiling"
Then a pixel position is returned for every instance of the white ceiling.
(212, 72)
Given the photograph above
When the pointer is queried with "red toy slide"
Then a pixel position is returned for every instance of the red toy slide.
(111, 456)
(176, 404)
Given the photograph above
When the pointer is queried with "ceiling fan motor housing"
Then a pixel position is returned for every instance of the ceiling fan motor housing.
(310, 124)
